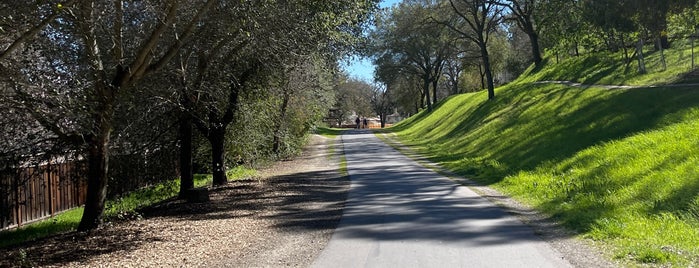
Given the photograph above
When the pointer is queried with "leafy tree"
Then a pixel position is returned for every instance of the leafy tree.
(306, 94)
(269, 36)
(382, 103)
(475, 20)
(105, 48)
(353, 97)
(409, 41)
(566, 28)
(525, 14)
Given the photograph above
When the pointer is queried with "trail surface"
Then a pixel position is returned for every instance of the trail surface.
(400, 214)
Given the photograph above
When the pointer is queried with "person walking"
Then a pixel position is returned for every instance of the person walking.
(366, 125)
(357, 121)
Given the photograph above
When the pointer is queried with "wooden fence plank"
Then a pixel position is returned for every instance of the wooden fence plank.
(34, 193)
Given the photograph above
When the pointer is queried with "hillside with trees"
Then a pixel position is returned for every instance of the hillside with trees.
(600, 134)
(425, 51)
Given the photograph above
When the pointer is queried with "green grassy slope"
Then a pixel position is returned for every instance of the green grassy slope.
(612, 68)
(619, 166)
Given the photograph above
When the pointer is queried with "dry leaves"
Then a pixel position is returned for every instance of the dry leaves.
(283, 219)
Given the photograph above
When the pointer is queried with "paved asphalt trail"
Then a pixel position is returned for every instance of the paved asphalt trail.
(400, 214)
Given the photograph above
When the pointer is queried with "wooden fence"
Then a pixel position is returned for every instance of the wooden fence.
(33, 193)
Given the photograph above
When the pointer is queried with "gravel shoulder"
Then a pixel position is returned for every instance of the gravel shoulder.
(284, 218)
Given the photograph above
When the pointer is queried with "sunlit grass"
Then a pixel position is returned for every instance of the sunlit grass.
(118, 208)
(618, 166)
(61, 223)
(329, 132)
(607, 68)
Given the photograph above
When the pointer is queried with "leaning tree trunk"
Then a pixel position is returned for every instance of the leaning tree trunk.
(488, 72)
(481, 75)
(218, 155)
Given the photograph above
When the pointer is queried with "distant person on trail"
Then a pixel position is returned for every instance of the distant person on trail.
(357, 121)
(366, 125)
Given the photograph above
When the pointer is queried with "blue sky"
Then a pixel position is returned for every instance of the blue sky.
(362, 68)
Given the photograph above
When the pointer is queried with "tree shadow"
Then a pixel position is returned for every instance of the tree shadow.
(402, 201)
(538, 135)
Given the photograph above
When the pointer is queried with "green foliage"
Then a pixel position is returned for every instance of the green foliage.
(617, 166)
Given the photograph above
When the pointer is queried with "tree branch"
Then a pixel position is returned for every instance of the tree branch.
(139, 65)
(29, 34)
(180, 40)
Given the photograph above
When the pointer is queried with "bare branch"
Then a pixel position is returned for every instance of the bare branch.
(139, 65)
(180, 40)
(26, 36)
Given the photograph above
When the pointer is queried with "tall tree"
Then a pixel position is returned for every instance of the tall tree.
(409, 39)
(523, 13)
(268, 36)
(382, 103)
(112, 46)
(475, 20)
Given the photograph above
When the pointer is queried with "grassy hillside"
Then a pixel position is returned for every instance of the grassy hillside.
(619, 166)
(613, 69)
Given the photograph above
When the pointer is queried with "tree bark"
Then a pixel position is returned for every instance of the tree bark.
(481, 74)
(488, 71)
(186, 170)
(276, 143)
(382, 118)
(536, 50)
(98, 160)
(426, 89)
(434, 88)
(639, 54)
(662, 53)
(218, 155)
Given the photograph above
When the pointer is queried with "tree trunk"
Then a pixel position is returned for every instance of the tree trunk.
(382, 119)
(662, 53)
(481, 73)
(186, 171)
(488, 72)
(623, 45)
(98, 164)
(639, 54)
(276, 141)
(693, 53)
(426, 89)
(536, 50)
(434, 88)
(217, 138)
(455, 86)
